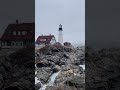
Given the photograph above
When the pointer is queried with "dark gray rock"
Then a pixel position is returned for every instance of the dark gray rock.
(78, 82)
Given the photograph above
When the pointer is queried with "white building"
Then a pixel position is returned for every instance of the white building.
(60, 35)
(45, 40)
(18, 35)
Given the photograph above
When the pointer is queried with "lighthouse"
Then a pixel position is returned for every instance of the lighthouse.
(60, 35)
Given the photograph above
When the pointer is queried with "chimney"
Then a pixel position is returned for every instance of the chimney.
(50, 34)
(17, 21)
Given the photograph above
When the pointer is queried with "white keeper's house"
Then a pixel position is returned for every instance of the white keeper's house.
(18, 35)
(45, 40)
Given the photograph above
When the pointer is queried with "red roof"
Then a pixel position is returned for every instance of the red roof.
(47, 39)
(29, 27)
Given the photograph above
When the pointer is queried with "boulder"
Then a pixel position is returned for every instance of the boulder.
(66, 55)
(44, 64)
(53, 58)
(76, 81)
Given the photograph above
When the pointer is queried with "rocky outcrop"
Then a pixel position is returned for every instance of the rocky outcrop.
(77, 81)
(51, 59)
(17, 70)
(102, 69)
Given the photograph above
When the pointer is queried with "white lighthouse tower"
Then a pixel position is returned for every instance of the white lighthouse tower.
(60, 36)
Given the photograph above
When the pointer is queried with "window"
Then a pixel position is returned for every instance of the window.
(21, 43)
(5, 43)
(13, 44)
(42, 39)
(9, 33)
(16, 44)
(2, 43)
(19, 33)
(14, 32)
(24, 32)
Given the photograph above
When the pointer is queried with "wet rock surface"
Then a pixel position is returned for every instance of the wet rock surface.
(77, 81)
(51, 59)
(102, 69)
(17, 70)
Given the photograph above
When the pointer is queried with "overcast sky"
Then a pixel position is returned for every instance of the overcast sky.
(70, 13)
(10, 10)
(103, 23)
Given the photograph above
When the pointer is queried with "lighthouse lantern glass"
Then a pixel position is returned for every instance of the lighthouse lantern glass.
(60, 26)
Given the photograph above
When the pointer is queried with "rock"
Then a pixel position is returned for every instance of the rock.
(37, 86)
(17, 70)
(44, 64)
(77, 81)
(66, 56)
(49, 53)
(56, 69)
(12, 88)
(20, 85)
(61, 87)
(43, 74)
(1, 77)
(53, 58)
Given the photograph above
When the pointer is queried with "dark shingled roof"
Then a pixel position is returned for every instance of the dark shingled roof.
(48, 39)
(29, 27)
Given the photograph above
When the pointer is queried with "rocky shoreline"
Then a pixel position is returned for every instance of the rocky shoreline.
(51, 59)
(14, 74)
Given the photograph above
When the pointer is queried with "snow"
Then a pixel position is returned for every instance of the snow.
(83, 66)
(36, 80)
(50, 81)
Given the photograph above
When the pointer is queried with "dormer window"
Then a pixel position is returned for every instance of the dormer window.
(14, 32)
(42, 39)
(19, 33)
(24, 32)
